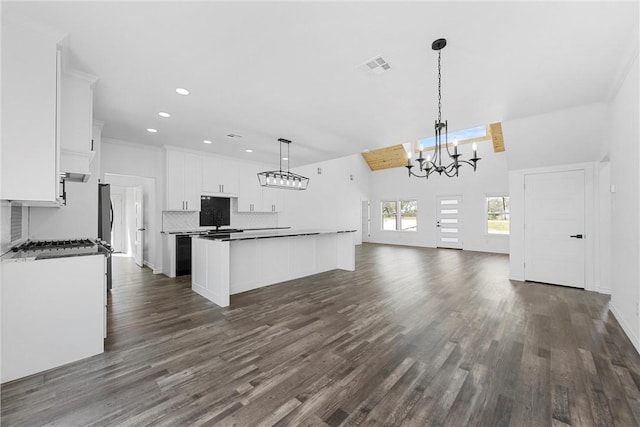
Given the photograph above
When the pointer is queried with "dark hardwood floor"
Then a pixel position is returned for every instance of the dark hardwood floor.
(412, 337)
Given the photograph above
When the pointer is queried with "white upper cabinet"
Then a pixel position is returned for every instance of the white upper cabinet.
(76, 123)
(254, 198)
(30, 125)
(272, 199)
(184, 181)
(220, 176)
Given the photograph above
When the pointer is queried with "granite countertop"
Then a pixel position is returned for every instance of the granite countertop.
(222, 230)
(269, 234)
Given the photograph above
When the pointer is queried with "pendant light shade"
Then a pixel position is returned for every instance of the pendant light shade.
(285, 180)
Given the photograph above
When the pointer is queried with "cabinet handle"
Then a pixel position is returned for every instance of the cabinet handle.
(187, 203)
(223, 188)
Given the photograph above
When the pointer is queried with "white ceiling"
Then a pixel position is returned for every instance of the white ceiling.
(267, 70)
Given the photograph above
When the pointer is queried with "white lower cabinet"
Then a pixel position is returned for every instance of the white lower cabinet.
(52, 313)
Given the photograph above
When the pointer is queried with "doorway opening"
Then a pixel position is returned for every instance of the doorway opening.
(134, 224)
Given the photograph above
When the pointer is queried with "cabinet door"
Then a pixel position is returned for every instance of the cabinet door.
(250, 192)
(211, 175)
(272, 199)
(30, 81)
(192, 182)
(76, 117)
(230, 177)
(175, 181)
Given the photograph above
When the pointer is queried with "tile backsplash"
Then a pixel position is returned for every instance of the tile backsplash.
(185, 221)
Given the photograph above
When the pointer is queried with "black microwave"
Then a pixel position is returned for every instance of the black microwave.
(215, 211)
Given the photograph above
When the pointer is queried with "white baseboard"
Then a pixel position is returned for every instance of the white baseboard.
(625, 326)
(605, 291)
(148, 264)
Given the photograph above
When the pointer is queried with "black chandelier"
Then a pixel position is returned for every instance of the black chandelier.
(434, 164)
(285, 180)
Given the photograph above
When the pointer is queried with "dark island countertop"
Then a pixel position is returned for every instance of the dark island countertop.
(222, 230)
(269, 234)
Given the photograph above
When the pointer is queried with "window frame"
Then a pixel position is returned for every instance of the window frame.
(398, 215)
(487, 213)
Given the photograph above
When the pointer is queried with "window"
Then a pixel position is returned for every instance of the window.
(498, 213)
(408, 215)
(399, 215)
(476, 133)
(389, 215)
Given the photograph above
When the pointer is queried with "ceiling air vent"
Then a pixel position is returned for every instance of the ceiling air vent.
(234, 136)
(376, 65)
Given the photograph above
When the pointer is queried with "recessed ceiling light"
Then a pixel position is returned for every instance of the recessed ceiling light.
(206, 141)
(163, 114)
(285, 158)
(249, 151)
(182, 91)
(152, 130)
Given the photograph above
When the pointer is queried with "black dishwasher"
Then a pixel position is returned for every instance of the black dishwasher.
(183, 254)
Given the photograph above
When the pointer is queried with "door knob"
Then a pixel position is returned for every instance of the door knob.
(142, 229)
(577, 236)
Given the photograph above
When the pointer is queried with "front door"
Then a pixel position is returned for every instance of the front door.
(554, 228)
(449, 222)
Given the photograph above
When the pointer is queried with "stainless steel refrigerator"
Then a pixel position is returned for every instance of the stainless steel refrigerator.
(105, 222)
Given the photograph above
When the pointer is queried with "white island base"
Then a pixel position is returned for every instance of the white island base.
(223, 267)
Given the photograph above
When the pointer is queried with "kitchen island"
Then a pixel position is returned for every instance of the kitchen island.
(224, 265)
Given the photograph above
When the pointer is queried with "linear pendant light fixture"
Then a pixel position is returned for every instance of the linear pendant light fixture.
(431, 165)
(285, 180)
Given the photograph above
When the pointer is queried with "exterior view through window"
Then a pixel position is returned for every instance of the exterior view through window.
(399, 215)
(389, 215)
(498, 213)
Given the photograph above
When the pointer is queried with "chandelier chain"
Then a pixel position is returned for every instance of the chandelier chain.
(439, 91)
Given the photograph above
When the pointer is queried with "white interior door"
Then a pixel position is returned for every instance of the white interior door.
(138, 253)
(449, 222)
(118, 227)
(366, 221)
(554, 228)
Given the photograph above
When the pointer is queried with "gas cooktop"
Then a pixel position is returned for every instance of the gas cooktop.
(44, 245)
(48, 249)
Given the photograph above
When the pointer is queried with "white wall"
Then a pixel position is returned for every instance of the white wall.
(332, 199)
(130, 164)
(573, 135)
(625, 204)
(489, 179)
